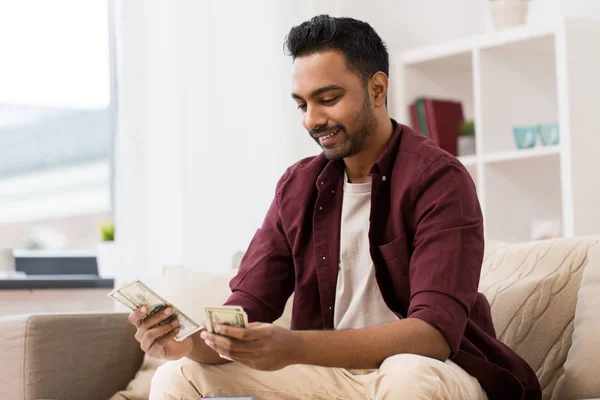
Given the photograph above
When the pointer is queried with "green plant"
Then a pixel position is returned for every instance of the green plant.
(107, 230)
(467, 128)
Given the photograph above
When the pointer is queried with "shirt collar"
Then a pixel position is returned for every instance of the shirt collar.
(384, 164)
(334, 170)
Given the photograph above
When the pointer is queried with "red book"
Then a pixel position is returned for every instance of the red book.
(444, 118)
(414, 117)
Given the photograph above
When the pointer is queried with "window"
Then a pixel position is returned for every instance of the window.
(57, 114)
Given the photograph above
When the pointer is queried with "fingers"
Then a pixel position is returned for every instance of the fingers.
(162, 341)
(154, 319)
(245, 334)
(135, 317)
(151, 335)
(227, 344)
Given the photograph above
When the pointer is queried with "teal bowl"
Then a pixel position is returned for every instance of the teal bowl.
(525, 136)
(549, 133)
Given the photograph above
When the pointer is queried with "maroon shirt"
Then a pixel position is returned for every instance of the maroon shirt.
(426, 242)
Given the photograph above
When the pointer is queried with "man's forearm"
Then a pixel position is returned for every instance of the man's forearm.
(368, 348)
(202, 353)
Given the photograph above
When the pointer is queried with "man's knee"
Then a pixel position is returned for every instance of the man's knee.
(410, 376)
(167, 372)
(170, 380)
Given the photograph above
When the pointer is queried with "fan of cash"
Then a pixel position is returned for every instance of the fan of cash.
(134, 295)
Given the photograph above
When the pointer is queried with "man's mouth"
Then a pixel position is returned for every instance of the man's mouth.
(322, 138)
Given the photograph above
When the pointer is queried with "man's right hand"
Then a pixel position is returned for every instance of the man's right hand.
(159, 342)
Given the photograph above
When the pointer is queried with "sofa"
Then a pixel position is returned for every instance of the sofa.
(544, 295)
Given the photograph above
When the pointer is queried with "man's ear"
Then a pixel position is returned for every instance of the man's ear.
(379, 87)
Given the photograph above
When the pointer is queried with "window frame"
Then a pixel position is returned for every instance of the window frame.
(52, 261)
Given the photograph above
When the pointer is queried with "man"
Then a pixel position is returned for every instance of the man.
(380, 238)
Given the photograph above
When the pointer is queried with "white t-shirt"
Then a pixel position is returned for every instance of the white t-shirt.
(358, 300)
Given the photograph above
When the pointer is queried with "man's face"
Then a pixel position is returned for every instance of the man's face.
(336, 110)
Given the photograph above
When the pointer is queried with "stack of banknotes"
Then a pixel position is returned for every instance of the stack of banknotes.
(136, 294)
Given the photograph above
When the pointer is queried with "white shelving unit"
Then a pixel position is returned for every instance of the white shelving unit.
(522, 76)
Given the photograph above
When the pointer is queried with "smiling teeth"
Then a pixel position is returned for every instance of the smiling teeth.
(328, 136)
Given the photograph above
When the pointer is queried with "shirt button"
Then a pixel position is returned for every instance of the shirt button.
(333, 191)
(383, 178)
(321, 182)
(324, 258)
(329, 308)
(320, 208)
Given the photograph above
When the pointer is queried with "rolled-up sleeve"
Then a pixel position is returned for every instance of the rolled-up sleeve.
(445, 265)
(266, 276)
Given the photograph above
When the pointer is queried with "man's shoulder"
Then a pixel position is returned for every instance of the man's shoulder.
(419, 148)
(420, 154)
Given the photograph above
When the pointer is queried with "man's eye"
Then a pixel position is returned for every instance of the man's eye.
(302, 107)
(330, 100)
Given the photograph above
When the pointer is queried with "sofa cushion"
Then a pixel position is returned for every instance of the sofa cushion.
(532, 289)
(192, 291)
(580, 380)
(53, 356)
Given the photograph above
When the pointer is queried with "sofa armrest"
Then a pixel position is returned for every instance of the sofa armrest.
(66, 356)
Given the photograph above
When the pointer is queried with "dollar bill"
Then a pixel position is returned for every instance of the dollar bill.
(226, 315)
(136, 294)
(119, 297)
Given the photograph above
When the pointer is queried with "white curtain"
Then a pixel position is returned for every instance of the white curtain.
(206, 126)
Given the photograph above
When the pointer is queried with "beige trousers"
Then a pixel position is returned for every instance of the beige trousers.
(404, 376)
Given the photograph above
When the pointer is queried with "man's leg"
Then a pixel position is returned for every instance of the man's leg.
(408, 376)
(186, 380)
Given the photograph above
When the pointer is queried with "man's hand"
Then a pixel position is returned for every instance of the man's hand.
(158, 342)
(261, 346)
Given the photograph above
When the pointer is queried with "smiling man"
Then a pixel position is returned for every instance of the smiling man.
(380, 238)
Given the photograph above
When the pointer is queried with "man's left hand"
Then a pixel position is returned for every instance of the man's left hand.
(261, 346)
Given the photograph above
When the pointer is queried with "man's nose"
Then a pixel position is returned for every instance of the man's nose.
(314, 119)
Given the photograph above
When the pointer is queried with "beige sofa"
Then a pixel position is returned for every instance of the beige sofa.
(545, 298)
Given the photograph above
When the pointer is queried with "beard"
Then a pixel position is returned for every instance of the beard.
(350, 142)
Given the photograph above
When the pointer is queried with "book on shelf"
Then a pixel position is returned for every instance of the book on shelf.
(439, 120)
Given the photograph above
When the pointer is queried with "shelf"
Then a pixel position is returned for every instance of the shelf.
(468, 161)
(506, 156)
(518, 88)
(521, 154)
(518, 77)
(517, 35)
(518, 194)
(485, 41)
(453, 52)
(447, 78)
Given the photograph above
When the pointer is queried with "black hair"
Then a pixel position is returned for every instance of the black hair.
(365, 52)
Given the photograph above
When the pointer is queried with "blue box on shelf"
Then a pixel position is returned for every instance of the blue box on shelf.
(526, 136)
(549, 133)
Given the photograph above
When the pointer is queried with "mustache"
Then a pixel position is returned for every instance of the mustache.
(315, 132)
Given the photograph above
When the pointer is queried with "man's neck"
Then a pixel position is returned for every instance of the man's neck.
(358, 165)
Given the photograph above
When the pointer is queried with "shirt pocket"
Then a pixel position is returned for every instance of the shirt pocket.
(395, 250)
(396, 257)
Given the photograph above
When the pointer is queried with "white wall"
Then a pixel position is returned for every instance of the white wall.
(407, 23)
(148, 169)
(206, 123)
